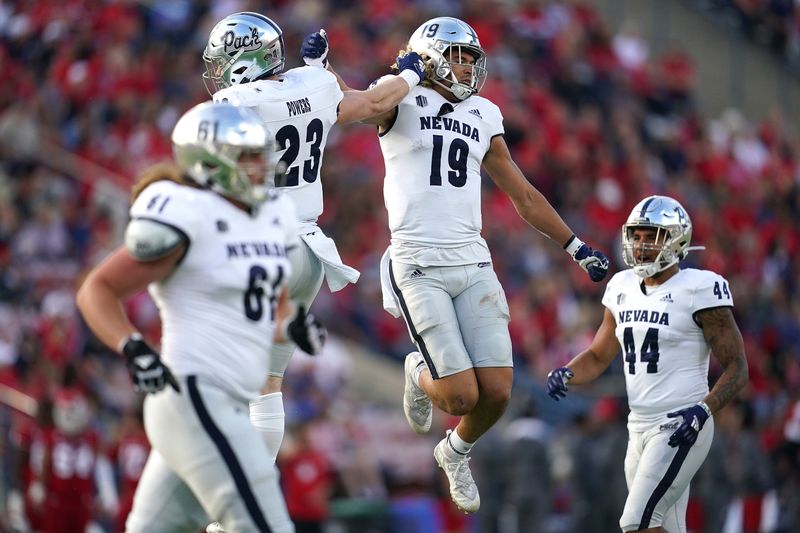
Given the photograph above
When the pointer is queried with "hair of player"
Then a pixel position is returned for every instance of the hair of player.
(160, 172)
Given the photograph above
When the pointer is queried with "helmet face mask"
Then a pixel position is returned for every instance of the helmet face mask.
(446, 41)
(224, 148)
(241, 48)
(665, 244)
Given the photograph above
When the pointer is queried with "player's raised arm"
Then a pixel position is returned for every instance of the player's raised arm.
(534, 208)
(373, 104)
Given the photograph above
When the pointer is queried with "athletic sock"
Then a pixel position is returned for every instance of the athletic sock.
(457, 444)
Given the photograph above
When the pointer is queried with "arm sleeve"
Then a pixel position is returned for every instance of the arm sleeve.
(494, 119)
(610, 296)
(170, 204)
(711, 291)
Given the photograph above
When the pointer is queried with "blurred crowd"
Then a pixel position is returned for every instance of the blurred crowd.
(771, 23)
(593, 118)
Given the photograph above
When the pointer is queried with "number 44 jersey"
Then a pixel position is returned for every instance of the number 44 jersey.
(433, 154)
(665, 353)
(299, 106)
(218, 305)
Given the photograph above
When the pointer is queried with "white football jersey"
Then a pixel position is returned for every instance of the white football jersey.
(300, 106)
(217, 307)
(665, 354)
(432, 188)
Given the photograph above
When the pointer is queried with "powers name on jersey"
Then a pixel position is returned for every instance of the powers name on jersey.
(300, 106)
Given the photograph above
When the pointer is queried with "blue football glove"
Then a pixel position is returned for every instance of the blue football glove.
(413, 62)
(694, 418)
(594, 262)
(314, 50)
(557, 382)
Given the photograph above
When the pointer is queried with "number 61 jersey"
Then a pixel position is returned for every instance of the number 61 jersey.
(665, 353)
(433, 154)
(218, 305)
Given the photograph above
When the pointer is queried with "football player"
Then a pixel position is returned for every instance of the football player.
(438, 270)
(244, 59)
(210, 241)
(666, 320)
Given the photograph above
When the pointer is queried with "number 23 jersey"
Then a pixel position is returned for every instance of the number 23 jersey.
(432, 188)
(665, 354)
(217, 306)
(300, 106)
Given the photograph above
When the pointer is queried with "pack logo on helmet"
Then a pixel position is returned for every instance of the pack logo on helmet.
(247, 43)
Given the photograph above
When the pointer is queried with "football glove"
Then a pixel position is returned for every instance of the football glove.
(413, 62)
(557, 382)
(148, 372)
(307, 332)
(314, 49)
(594, 262)
(694, 418)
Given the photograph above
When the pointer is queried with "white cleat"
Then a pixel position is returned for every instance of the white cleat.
(215, 527)
(463, 489)
(416, 404)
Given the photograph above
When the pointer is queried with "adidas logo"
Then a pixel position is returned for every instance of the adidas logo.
(666, 298)
(620, 299)
(475, 112)
(416, 274)
(422, 101)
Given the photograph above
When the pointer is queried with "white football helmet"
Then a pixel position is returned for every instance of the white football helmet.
(208, 142)
(241, 48)
(673, 234)
(442, 39)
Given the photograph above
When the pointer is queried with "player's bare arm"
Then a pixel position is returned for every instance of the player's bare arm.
(117, 278)
(725, 339)
(593, 361)
(381, 98)
(530, 204)
(283, 313)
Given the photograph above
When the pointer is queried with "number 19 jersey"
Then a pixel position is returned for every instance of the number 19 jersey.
(299, 106)
(432, 190)
(665, 353)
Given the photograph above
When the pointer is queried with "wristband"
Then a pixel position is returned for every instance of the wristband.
(410, 77)
(705, 407)
(573, 245)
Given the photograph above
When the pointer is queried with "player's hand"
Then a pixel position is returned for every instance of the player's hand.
(412, 62)
(594, 262)
(148, 373)
(307, 332)
(557, 382)
(694, 418)
(314, 49)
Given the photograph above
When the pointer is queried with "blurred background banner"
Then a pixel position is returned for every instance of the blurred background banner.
(605, 102)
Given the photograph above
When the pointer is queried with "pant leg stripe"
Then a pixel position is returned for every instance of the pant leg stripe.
(663, 485)
(414, 335)
(228, 455)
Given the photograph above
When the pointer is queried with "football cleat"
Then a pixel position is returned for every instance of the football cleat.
(416, 404)
(463, 489)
